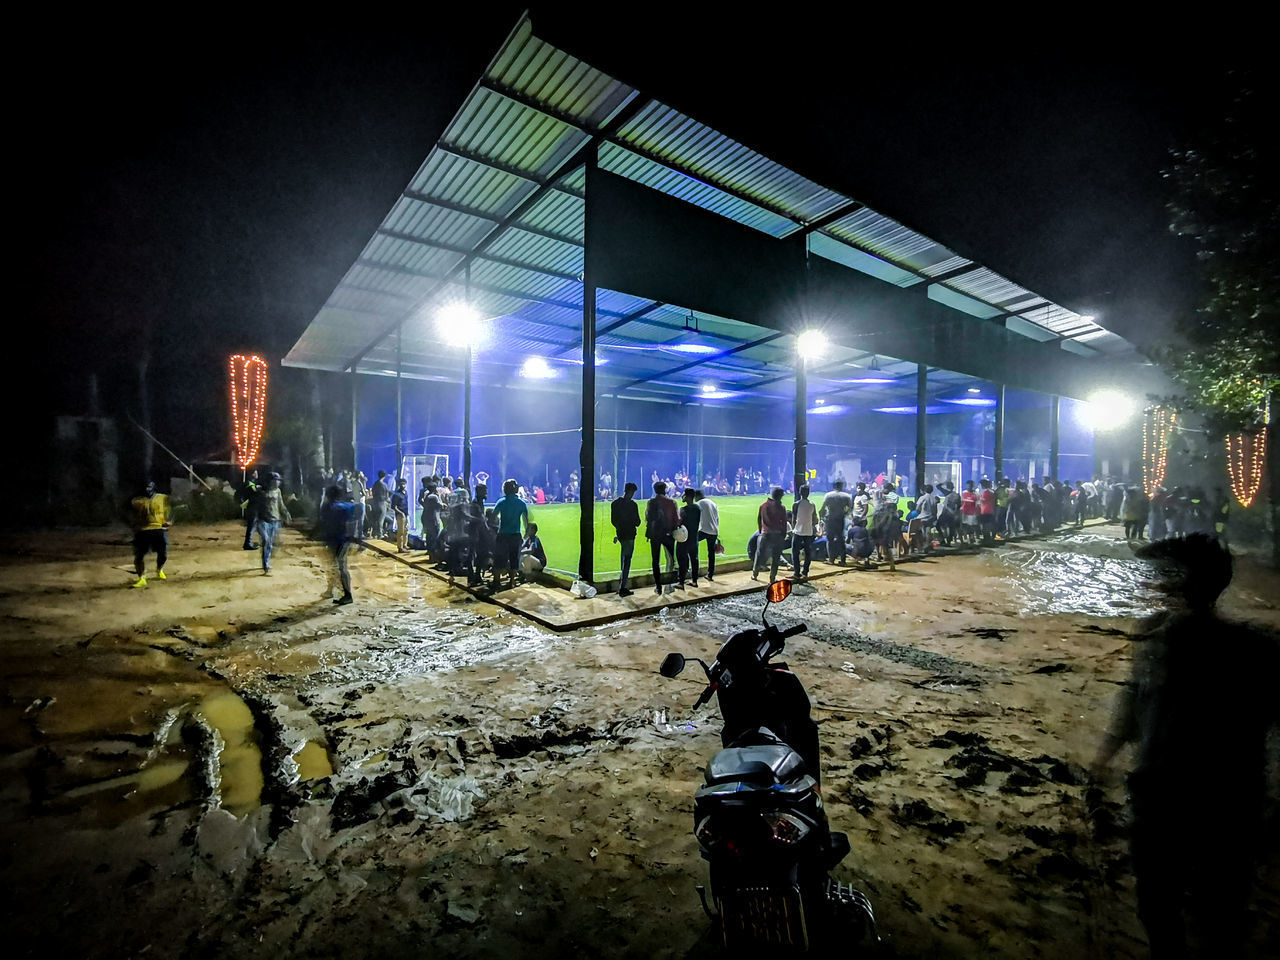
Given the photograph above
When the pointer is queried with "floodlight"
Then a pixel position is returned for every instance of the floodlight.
(708, 388)
(537, 368)
(975, 390)
(1108, 410)
(971, 401)
(827, 409)
(459, 325)
(696, 349)
(869, 380)
(811, 344)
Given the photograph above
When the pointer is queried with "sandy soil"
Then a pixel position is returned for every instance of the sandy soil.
(227, 762)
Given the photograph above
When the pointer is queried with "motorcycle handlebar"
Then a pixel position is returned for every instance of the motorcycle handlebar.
(792, 631)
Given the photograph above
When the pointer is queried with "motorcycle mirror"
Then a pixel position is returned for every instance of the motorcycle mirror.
(672, 665)
(779, 590)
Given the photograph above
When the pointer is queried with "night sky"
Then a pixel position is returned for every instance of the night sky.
(206, 193)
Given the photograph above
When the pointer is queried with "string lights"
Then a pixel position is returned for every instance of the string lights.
(1246, 453)
(248, 405)
(1157, 429)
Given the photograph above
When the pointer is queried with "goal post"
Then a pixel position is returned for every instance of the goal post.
(939, 472)
(413, 468)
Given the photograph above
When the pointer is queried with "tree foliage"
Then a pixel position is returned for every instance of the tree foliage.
(1223, 195)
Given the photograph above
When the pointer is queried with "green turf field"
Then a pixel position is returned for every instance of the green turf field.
(558, 528)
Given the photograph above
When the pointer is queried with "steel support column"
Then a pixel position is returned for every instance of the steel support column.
(999, 440)
(587, 452)
(1054, 403)
(355, 420)
(399, 406)
(922, 424)
(802, 423)
(466, 416)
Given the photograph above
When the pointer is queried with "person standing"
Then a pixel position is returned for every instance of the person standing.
(660, 521)
(512, 513)
(625, 517)
(987, 512)
(687, 549)
(804, 527)
(969, 513)
(709, 530)
(379, 495)
(927, 511)
(400, 505)
(270, 509)
(771, 523)
(1203, 875)
(249, 504)
(151, 518)
(342, 526)
(888, 525)
(836, 506)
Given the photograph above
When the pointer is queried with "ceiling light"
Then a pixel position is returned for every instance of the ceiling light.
(460, 325)
(811, 344)
(537, 368)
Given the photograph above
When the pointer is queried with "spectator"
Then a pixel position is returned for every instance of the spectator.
(804, 527)
(400, 506)
(660, 520)
(511, 512)
(709, 530)
(625, 517)
(533, 559)
(771, 524)
(687, 549)
(270, 509)
(836, 506)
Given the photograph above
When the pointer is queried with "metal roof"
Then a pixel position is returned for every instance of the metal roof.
(499, 201)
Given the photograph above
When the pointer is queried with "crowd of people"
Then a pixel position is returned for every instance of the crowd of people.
(876, 524)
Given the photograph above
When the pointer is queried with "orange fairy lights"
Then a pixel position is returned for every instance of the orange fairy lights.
(1246, 453)
(1157, 430)
(248, 405)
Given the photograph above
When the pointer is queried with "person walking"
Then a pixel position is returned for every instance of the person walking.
(836, 506)
(987, 513)
(625, 517)
(152, 516)
(379, 497)
(400, 506)
(512, 513)
(709, 530)
(660, 521)
(249, 491)
(270, 509)
(771, 523)
(687, 549)
(804, 527)
(432, 509)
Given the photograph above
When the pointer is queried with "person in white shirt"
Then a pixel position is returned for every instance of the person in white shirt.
(804, 526)
(709, 530)
(861, 503)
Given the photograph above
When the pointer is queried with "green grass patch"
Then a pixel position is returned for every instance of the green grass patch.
(558, 528)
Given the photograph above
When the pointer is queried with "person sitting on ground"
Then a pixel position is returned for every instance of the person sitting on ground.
(533, 558)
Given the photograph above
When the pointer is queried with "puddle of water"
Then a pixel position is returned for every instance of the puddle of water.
(160, 774)
(313, 761)
(239, 759)
(1105, 581)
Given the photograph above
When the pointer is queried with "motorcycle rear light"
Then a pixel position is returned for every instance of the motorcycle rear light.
(786, 829)
(704, 833)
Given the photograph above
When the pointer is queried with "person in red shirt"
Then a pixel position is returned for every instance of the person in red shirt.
(969, 514)
(771, 520)
(987, 512)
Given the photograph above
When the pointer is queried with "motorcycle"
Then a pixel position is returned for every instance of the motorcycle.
(758, 817)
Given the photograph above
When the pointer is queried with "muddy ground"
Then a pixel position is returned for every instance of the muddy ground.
(228, 764)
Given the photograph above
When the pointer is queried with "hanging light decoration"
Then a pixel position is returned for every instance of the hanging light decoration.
(1246, 453)
(1157, 429)
(248, 405)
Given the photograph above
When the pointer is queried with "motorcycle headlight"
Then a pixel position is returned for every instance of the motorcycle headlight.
(786, 829)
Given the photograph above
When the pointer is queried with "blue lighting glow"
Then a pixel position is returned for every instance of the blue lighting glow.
(695, 349)
(910, 411)
(868, 380)
(971, 401)
(828, 409)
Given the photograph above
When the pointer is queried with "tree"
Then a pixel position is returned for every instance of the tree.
(1223, 195)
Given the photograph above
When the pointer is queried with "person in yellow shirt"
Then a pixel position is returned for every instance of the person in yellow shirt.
(151, 518)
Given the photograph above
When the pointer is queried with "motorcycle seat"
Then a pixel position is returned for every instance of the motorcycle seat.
(765, 765)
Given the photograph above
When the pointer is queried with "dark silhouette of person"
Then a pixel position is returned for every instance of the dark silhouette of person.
(1198, 708)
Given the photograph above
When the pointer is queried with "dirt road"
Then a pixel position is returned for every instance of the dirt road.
(227, 763)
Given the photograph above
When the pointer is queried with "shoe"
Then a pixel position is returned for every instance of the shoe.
(695, 583)
(266, 572)
(624, 593)
(710, 579)
(679, 586)
(251, 546)
(658, 589)
(160, 575)
(343, 600)
(140, 582)
(755, 576)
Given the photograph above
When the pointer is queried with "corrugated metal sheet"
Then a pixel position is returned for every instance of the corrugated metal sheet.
(681, 157)
(551, 76)
(623, 162)
(667, 134)
(889, 239)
